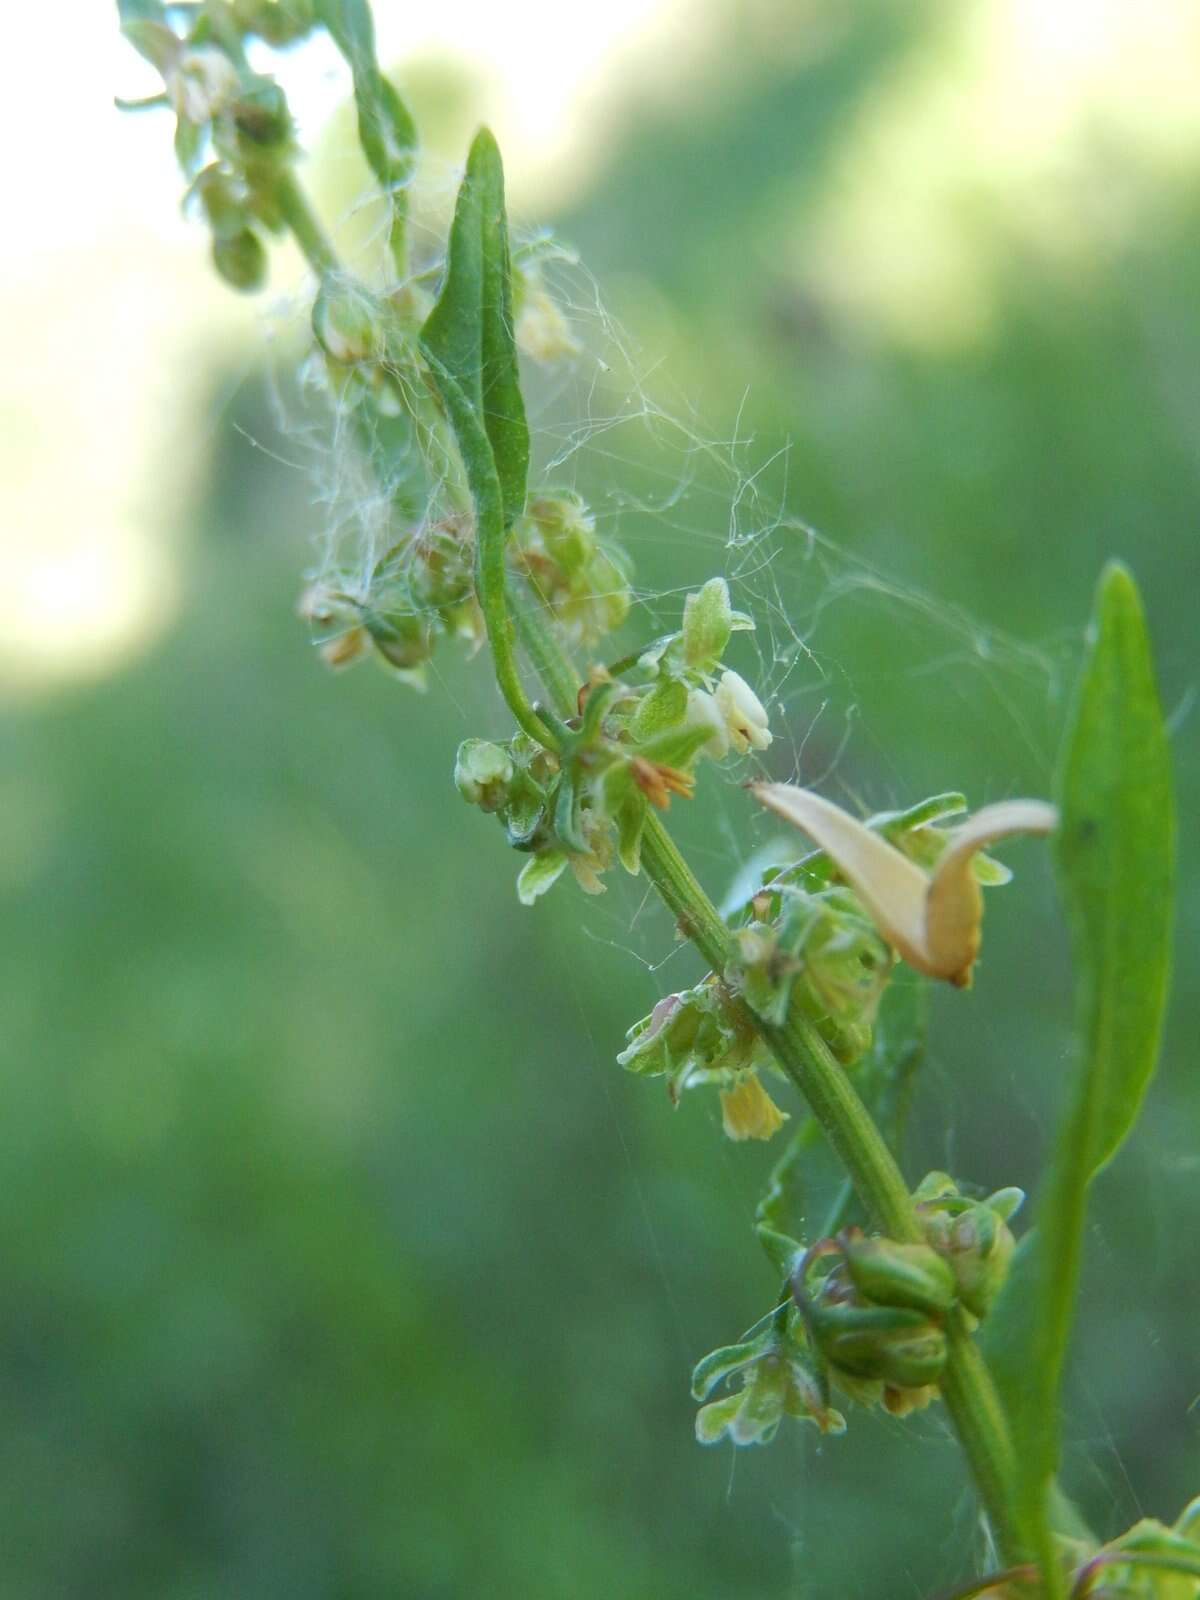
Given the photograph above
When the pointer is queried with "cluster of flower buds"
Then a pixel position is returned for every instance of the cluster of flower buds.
(776, 1380)
(817, 951)
(581, 578)
(876, 1316)
(237, 117)
(629, 748)
(420, 590)
(971, 1236)
(698, 1036)
(521, 782)
(866, 1314)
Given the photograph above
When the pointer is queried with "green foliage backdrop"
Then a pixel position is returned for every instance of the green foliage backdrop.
(336, 1257)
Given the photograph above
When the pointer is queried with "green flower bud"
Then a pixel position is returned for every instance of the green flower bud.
(262, 120)
(707, 625)
(981, 1249)
(241, 260)
(483, 773)
(891, 1343)
(822, 956)
(224, 202)
(972, 1236)
(441, 564)
(402, 638)
(892, 1274)
(346, 324)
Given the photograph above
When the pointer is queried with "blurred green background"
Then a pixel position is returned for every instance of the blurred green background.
(337, 1257)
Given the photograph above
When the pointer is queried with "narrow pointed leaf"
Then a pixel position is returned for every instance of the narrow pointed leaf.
(467, 341)
(1115, 862)
(469, 333)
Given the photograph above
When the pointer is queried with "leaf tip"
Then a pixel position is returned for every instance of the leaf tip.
(484, 151)
(1117, 593)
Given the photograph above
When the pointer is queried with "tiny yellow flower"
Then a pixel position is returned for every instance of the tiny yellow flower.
(748, 1112)
(542, 332)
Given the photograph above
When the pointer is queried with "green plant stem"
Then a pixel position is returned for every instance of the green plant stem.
(967, 1388)
(546, 655)
(306, 230)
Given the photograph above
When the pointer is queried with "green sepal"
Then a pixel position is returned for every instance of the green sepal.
(708, 622)
(525, 812)
(897, 1345)
(677, 747)
(1006, 1202)
(190, 140)
(540, 872)
(595, 708)
(783, 1252)
(146, 29)
(661, 709)
(630, 818)
(723, 1363)
(566, 816)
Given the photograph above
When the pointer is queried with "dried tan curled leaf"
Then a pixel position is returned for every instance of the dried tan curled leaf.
(932, 918)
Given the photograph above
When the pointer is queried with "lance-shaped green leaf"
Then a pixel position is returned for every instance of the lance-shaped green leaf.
(1115, 861)
(468, 336)
(468, 343)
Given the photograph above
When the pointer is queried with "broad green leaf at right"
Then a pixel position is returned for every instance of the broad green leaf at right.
(1115, 857)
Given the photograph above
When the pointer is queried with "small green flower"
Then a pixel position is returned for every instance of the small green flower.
(775, 1383)
(972, 1236)
(582, 578)
(483, 774)
(822, 955)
